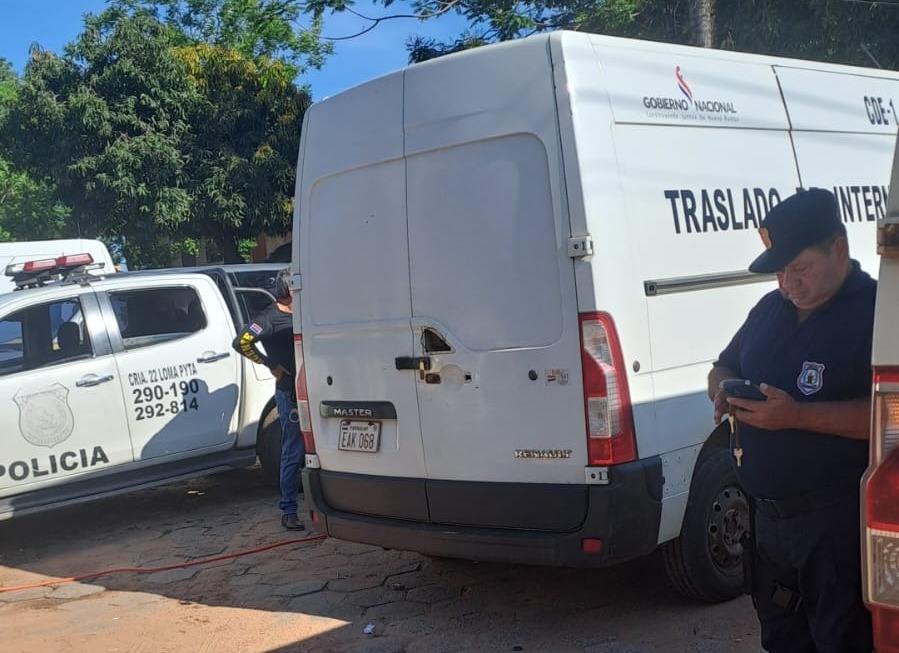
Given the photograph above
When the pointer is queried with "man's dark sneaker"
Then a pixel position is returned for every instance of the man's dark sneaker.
(292, 523)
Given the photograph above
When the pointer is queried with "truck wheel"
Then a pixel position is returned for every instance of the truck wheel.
(706, 561)
(268, 446)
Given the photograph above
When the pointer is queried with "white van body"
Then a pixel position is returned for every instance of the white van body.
(33, 250)
(461, 221)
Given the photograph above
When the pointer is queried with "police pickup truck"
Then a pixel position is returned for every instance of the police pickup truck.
(109, 384)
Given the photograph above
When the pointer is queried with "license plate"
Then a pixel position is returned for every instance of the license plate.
(359, 436)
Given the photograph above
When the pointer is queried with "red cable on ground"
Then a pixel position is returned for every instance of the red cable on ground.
(152, 570)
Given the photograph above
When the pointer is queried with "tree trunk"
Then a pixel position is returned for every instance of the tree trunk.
(702, 22)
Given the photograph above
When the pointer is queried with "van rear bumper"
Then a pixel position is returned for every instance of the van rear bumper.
(624, 515)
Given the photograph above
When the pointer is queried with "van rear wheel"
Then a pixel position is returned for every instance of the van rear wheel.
(706, 561)
(268, 446)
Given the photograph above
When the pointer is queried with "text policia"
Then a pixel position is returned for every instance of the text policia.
(706, 210)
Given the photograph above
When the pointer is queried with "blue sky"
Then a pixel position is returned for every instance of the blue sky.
(54, 23)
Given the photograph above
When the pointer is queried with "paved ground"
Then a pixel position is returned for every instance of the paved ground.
(318, 595)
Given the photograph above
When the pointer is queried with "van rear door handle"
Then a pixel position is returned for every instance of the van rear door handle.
(212, 357)
(413, 362)
(92, 380)
(420, 363)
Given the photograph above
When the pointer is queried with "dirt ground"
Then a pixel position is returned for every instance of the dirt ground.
(315, 594)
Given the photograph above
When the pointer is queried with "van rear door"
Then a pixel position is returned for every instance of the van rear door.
(493, 301)
(356, 310)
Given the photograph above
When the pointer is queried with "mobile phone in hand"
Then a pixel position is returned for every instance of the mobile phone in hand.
(743, 388)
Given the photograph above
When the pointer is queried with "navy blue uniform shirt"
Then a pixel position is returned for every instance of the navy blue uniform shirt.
(274, 329)
(826, 358)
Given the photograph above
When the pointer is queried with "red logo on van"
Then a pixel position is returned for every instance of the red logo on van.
(682, 84)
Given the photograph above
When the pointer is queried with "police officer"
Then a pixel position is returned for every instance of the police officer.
(273, 327)
(800, 453)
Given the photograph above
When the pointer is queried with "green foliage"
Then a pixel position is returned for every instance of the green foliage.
(159, 142)
(855, 33)
(29, 209)
(859, 33)
(107, 123)
(245, 248)
(8, 84)
(271, 29)
(244, 146)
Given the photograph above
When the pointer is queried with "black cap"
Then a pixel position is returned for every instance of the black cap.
(800, 221)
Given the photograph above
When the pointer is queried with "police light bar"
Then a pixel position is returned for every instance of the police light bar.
(74, 260)
(30, 266)
(58, 264)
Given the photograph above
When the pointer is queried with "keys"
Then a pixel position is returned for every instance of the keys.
(738, 450)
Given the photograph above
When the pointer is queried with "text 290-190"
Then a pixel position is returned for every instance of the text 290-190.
(159, 400)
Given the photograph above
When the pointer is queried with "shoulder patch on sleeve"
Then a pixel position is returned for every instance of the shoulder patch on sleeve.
(255, 328)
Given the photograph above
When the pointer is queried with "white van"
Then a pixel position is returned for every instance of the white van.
(32, 250)
(515, 267)
(880, 503)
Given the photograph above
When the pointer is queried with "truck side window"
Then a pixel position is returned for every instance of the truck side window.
(252, 304)
(46, 334)
(148, 317)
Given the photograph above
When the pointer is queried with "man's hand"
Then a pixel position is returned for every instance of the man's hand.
(717, 376)
(720, 401)
(279, 372)
(780, 411)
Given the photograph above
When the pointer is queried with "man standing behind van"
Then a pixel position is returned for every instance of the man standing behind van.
(800, 453)
(273, 327)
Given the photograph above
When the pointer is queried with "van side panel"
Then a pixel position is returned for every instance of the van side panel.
(844, 129)
(667, 149)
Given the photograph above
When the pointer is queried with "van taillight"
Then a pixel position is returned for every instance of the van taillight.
(303, 395)
(607, 403)
(882, 513)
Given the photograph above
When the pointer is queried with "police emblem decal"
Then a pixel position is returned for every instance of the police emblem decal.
(45, 418)
(811, 378)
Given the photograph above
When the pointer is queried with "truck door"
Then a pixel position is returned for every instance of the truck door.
(63, 411)
(173, 350)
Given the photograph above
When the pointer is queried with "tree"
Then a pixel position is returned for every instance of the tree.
(107, 123)
(860, 33)
(253, 28)
(828, 30)
(243, 148)
(243, 56)
(702, 22)
(28, 208)
(157, 142)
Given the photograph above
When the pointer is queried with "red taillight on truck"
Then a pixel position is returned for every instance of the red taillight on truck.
(303, 395)
(607, 403)
(882, 513)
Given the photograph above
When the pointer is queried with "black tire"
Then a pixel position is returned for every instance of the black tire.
(268, 446)
(706, 561)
